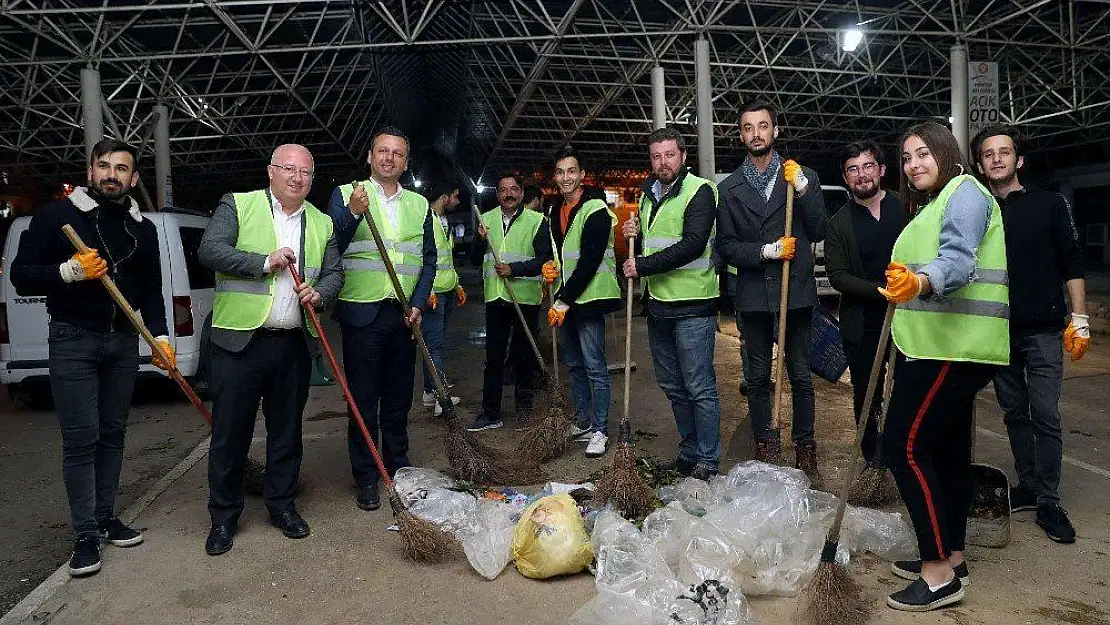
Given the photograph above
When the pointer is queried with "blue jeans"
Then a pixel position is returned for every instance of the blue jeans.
(682, 350)
(433, 325)
(758, 330)
(583, 343)
(92, 375)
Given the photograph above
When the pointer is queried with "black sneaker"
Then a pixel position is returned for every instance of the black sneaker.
(703, 472)
(368, 498)
(911, 570)
(86, 556)
(115, 532)
(679, 465)
(918, 598)
(1022, 499)
(485, 422)
(1054, 521)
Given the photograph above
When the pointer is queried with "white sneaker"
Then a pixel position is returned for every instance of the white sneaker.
(598, 444)
(439, 409)
(579, 433)
(428, 398)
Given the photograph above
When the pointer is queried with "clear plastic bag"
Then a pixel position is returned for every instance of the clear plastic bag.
(693, 494)
(451, 510)
(412, 483)
(885, 534)
(488, 539)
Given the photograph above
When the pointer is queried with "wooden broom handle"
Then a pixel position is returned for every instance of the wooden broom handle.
(784, 301)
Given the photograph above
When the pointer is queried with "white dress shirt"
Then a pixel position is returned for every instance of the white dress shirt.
(391, 204)
(285, 314)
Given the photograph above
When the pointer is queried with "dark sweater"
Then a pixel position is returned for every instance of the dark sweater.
(1042, 253)
(129, 246)
(595, 241)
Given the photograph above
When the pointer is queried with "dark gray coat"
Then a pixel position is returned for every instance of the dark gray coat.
(218, 253)
(746, 222)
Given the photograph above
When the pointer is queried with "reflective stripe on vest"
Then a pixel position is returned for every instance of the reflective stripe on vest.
(447, 279)
(970, 324)
(603, 285)
(696, 280)
(243, 303)
(365, 276)
(515, 246)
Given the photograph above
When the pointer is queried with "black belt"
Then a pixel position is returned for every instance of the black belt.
(278, 331)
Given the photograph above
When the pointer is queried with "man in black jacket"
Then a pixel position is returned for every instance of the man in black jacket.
(1042, 256)
(94, 351)
(673, 232)
(857, 250)
(582, 231)
(751, 222)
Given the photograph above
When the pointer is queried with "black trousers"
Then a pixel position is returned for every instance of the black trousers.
(501, 323)
(273, 368)
(379, 361)
(861, 356)
(927, 445)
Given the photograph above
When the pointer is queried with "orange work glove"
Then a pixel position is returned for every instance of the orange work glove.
(557, 314)
(1077, 336)
(782, 249)
(460, 295)
(171, 358)
(550, 271)
(902, 285)
(792, 171)
(433, 301)
(83, 266)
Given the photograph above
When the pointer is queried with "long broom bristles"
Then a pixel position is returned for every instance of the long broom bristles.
(421, 540)
(546, 438)
(475, 462)
(833, 597)
(623, 486)
(874, 487)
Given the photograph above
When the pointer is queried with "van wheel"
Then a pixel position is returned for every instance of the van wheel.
(34, 396)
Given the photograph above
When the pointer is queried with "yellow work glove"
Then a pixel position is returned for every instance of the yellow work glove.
(902, 285)
(792, 171)
(83, 266)
(460, 295)
(550, 271)
(1077, 336)
(782, 249)
(171, 358)
(557, 314)
(433, 301)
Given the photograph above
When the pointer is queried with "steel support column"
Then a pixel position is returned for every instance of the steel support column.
(658, 98)
(706, 165)
(93, 115)
(164, 190)
(959, 96)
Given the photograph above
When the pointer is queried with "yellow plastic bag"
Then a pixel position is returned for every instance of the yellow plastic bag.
(551, 539)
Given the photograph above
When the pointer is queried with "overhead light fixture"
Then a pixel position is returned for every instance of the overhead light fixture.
(480, 188)
(416, 182)
(951, 119)
(850, 39)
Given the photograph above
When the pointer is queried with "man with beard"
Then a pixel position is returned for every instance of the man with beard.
(861, 236)
(582, 232)
(443, 196)
(93, 349)
(674, 228)
(751, 221)
(522, 240)
(1043, 255)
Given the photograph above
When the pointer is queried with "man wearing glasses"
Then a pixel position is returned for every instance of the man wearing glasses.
(260, 341)
(860, 238)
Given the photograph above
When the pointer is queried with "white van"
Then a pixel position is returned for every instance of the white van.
(187, 286)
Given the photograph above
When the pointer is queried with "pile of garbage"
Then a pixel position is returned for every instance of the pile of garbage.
(756, 531)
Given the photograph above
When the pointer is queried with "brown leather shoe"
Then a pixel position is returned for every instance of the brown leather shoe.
(768, 450)
(805, 458)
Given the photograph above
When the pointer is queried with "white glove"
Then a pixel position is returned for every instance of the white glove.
(803, 183)
(1082, 325)
(779, 250)
(560, 307)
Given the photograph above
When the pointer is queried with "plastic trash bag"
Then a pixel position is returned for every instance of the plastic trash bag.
(693, 494)
(451, 510)
(885, 534)
(413, 483)
(551, 539)
(488, 540)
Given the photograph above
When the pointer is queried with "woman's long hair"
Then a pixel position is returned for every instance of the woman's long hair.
(946, 152)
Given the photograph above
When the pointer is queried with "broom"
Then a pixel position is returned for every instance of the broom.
(471, 460)
(254, 474)
(875, 486)
(832, 597)
(784, 301)
(421, 540)
(623, 486)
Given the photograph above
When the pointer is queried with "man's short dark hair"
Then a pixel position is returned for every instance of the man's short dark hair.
(569, 152)
(762, 105)
(667, 134)
(857, 148)
(107, 146)
(994, 131)
(532, 192)
(439, 187)
(389, 130)
(510, 174)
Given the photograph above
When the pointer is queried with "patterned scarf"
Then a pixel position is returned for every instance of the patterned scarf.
(761, 180)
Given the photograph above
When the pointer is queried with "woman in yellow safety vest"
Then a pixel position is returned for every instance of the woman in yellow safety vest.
(948, 278)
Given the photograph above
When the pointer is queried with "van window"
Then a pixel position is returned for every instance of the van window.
(200, 277)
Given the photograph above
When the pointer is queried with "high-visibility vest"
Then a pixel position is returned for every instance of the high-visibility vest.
(365, 277)
(970, 324)
(696, 280)
(515, 246)
(245, 303)
(604, 283)
(447, 279)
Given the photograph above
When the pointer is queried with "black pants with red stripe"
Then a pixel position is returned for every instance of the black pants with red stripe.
(927, 445)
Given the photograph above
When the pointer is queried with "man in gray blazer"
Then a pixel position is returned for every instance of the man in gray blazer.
(751, 223)
(261, 341)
